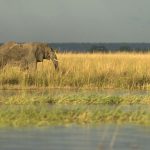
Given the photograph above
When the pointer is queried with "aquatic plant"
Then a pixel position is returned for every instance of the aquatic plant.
(43, 115)
(64, 109)
(84, 98)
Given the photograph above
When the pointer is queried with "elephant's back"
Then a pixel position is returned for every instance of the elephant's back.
(16, 51)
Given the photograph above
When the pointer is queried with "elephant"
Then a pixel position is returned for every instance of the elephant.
(44, 52)
(26, 53)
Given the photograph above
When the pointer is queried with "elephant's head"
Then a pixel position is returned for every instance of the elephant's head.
(51, 55)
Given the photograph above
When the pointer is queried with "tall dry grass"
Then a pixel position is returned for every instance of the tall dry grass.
(112, 70)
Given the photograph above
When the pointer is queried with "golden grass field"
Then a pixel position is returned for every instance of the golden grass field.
(83, 70)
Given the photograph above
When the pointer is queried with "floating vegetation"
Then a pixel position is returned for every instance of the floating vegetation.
(31, 115)
(61, 109)
(75, 99)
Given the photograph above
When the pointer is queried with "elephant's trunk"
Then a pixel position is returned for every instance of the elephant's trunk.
(55, 62)
(54, 59)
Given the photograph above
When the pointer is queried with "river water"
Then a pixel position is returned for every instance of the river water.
(103, 137)
(105, 92)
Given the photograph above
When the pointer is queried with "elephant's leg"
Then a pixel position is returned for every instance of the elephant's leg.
(39, 58)
(36, 65)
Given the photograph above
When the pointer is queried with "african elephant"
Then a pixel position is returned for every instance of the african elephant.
(27, 53)
(44, 52)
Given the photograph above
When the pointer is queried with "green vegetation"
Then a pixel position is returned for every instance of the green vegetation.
(82, 98)
(44, 116)
(65, 109)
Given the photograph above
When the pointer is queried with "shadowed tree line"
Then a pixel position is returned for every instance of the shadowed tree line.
(101, 47)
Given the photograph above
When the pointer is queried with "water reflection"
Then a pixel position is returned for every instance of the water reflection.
(104, 137)
(105, 92)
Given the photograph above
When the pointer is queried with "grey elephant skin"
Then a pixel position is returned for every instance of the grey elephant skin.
(26, 53)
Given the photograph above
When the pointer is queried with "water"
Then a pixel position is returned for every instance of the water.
(104, 137)
(105, 92)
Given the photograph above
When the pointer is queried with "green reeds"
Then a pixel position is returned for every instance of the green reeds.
(64, 109)
(43, 115)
